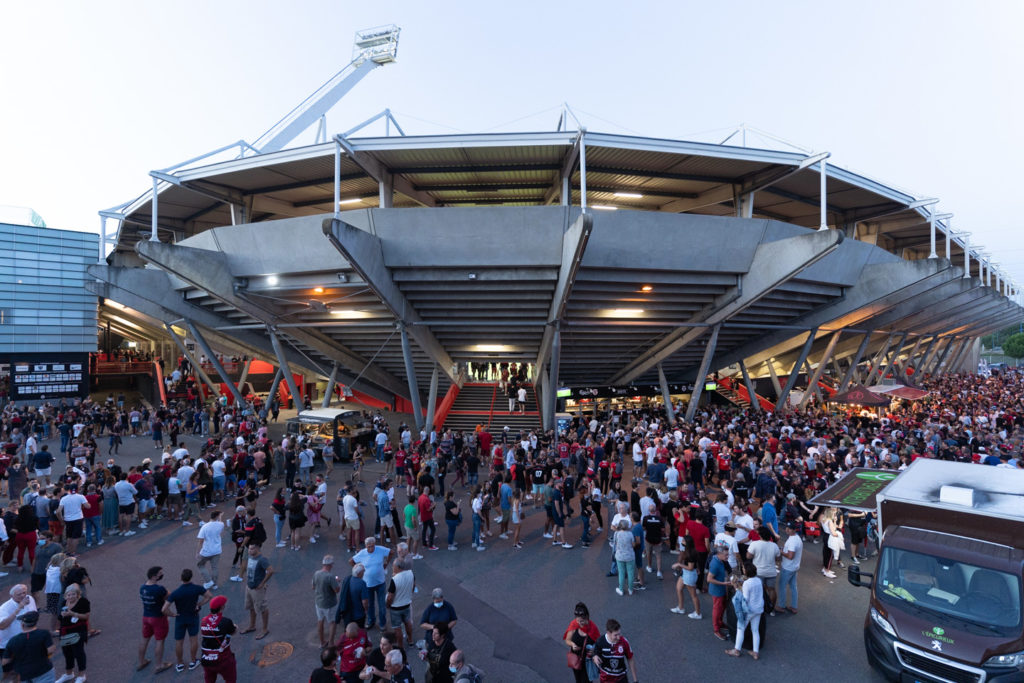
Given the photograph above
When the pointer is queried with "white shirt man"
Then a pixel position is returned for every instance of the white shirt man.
(209, 537)
(727, 539)
(180, 453)
(31, 445)
(744, 523)
(21, 601)
(72, 506)
(764, 554)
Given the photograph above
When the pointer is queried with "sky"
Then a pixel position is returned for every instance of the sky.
(923, 96)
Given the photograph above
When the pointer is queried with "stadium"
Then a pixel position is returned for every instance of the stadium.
(391, 263)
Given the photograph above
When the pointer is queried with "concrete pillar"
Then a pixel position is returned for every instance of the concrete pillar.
(274, 384)
(812, 381)
(878, 361)
(774, 377)
(191, 359)
(750, 387)
(920, 366)
(666, 395)
(432, 399)
(791, 382)
(216, 363)
(410, 373)
(329, 392)
(934, 369)
(895, 352)
(288, 377)
(556, 357)
(702, 373)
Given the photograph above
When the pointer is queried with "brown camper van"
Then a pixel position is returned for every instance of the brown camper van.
(946, 592)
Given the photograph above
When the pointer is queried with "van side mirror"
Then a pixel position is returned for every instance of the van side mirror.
(858, 578)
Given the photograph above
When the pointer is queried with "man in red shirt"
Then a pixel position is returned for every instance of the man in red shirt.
(612, 655)
(352, 648)
(701, 537)
(425, 507)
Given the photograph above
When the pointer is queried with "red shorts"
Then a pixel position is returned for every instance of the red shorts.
(155, 627)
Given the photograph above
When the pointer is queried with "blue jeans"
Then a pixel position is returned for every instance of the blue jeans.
(65, 441)
(380, 452)
(627, 570)
(452, 524)
(586, 529)
(474, 477)
(378, 591)
(93, 529)
(43, 678)
(278, 528)
(787, 578)
(476, 528)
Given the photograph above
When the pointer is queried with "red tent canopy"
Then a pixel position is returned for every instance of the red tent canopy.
(861, 395)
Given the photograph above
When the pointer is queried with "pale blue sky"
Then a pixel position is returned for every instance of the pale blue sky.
(922, 95)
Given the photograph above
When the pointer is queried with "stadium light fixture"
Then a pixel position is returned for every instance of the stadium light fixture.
(628, 195)
(605, 207)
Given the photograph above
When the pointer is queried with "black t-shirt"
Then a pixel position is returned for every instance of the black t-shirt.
(323, 675)
(28, 650)
(652, 528)
(403, 676)
(473, 464)
(186, 598)
(539, 473)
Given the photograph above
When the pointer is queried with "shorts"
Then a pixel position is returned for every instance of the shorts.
(155, 627)
(387, 521)
(53, 603)
(689, 577)
(768, 581)
(75, 527)
(324, 613)
(858, 532)
(44, 473)
(126, 509)
(352, 524)
(146, 504)
(400, 616)
(183, 625)
(219, 483)
(38, 583)
(256, 599)
(557, 519)
(174, 499)
(536, 489)
(410, 532)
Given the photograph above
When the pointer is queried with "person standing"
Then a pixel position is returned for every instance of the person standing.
(208, 555)
(438, 654)
(74, 633)
(186, 600)
(717, 585)
(792, 551)
(764, 554)
(21, 602)
(612, 655)
(71, 510)
(257, 574)
(126, 504)
(28, 653)
(325, 597)
(399, 599)
(429, 529)
(463, 671)
(154, 622)
(216, 631)
(580, 636)
(752, 593)
(375, 560)
(353, 600)
(328, 669)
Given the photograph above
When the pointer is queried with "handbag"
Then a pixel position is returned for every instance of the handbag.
(70, 639)
(572, 660)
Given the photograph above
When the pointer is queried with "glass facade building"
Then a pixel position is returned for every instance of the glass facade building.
(44, 306)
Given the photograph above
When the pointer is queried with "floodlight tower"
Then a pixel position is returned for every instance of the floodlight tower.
(372, 47)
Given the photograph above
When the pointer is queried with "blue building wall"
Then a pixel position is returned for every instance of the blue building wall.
(44, 306)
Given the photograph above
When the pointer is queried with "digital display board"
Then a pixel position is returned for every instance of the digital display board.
(43, 381)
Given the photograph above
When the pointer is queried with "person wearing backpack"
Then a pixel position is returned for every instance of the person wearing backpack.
(462, 670)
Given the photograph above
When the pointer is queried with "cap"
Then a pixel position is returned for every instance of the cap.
(791, 496)
(29, 618)
(218, 603)
(437, 593)
(791, 525)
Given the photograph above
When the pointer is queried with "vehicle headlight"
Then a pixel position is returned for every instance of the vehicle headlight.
(882, 622)
(1015, 659)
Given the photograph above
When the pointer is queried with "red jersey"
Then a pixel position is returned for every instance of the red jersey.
(700, 535)
(352, 651)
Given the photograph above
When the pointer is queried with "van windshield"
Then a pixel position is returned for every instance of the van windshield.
(985, 597)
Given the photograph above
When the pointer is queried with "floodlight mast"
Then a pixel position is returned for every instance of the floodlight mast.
(372, 48)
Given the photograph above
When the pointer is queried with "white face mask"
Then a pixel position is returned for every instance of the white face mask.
(439, 605)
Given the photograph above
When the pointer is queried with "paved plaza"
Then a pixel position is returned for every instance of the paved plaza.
(512, 605)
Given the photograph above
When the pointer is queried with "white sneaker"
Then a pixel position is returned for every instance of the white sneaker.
(649, 570)
(186, 523)
(497, 520)
(417, 556)
(128, 533)
(503, 536)
(208, 585)
(65, 678)
(619, 591)
(100, 542)
(312, 540)
(281, 544)
(548, 536)
(80, 679)
(236, 578)
(694, 615)
(567, 546)
(3, 574)
(659, 575)
(480, 548)
(676, 610)
(143, 525)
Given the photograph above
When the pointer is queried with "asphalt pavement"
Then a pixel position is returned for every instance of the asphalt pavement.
(513, 606)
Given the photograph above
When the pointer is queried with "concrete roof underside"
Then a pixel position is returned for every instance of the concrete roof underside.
(630, 290)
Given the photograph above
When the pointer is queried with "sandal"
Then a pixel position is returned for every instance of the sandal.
(734, 653)
(263, 635)
(94, 632)
(246, 630)
(755, 656)
(163, 667)
(144, 664)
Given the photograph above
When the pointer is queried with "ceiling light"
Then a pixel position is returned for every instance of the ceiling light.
(349, 314)
(626, 312)
(272, 280)
(471, 276)
(628, 195)
(646, 288)
(491, 348)
(318, 290)
(605, 207)
(353, 200)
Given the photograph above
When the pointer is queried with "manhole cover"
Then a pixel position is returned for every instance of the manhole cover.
(272, 653)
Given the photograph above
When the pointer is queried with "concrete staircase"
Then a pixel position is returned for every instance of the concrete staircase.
(485, 404)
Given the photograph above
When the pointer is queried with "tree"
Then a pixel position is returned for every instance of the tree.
(1014, 346)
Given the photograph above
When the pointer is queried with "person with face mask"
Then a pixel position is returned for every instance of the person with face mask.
(439, 611)
(462, 671)
(437, 655)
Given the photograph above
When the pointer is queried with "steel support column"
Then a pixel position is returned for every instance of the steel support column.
(791, 381)
(705, 365)
(551, 400)
(432, 399)
(410, 373)
(920, 366)
(191, 359)
(272, 395)
(892, 359)
(750, 387)
(289, 378)
(825, 357)
(878, 360)
(942, 356)
(245, 373)
(666, 396)
(774, 377)
(329, 391)
(240, 401)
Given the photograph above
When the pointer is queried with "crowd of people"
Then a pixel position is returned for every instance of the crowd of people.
(722, 503)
